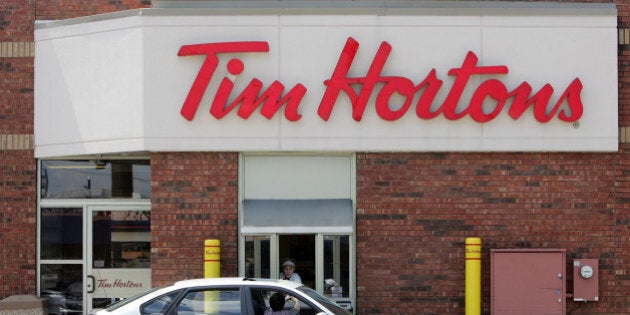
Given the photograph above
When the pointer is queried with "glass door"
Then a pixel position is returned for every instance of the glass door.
(323, 261)
(118, 253)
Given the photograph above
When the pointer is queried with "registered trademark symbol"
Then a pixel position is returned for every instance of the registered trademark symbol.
(576, 124)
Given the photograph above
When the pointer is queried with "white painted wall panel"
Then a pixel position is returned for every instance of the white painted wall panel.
(88, 90)
(297, 177)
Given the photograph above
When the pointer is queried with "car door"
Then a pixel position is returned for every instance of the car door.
(260, 300)
(226, 300)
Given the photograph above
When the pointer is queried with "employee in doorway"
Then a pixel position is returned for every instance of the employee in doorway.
(288, 271)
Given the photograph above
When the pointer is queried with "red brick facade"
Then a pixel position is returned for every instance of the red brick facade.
(18, 175)
(414, 210)
(194, 197)
(18, 201)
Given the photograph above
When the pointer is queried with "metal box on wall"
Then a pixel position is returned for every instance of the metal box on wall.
(528, 281)
(586, 280)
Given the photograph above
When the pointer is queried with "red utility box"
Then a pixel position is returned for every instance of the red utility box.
(585, 280)
(528, 281)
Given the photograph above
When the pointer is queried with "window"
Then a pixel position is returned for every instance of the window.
(62, 285)
(93, 217)
(266, 300)
(323, 261)
(212, 301)
(61, 234)
(83, 179)
(159, 305)
(336, 265)
(299, 206)
(257, 257)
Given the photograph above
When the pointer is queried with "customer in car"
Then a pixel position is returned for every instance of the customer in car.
(288, 271)
(276, 301)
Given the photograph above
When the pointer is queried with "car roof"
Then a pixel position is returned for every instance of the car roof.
(235, 281)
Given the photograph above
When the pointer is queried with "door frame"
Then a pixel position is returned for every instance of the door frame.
(85, 205)
(88, 272)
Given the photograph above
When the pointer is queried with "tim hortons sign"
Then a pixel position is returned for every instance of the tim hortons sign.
(514, 102)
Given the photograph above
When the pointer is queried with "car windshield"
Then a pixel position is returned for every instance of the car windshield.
(131, 299)
(334, 307)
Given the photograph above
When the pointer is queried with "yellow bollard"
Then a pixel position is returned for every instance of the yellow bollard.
(211, 269)
(212, 259)
(473, 276)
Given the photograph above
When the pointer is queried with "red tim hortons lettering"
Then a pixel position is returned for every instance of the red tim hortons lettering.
(486, 103)
(430, 86)
(249, 97)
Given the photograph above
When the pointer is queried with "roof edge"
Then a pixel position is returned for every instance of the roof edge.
(347, 7)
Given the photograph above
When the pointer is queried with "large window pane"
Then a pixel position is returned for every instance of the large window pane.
(300, 248)
(62, 285)
(61, 233)
(337, 265)
(78, 179)
(121, 239)
(257, 264)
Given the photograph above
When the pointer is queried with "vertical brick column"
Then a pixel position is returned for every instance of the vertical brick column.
(620, 257)
(18, 222)
(194, 197)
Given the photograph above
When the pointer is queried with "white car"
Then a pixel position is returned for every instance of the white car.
(224, 296)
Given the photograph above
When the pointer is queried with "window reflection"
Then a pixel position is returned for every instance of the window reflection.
(61, 233)
(121, 239)
(211, 301)
(257, 257)
(337, 265)
(78, 179)
(63, 287)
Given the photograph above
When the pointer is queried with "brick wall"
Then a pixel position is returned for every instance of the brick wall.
(18, 179)
(425, 205)
(17, 219)
(621, 255)
(65, 9)
(194, 197)
(17, 166)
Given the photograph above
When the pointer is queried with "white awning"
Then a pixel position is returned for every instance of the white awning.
(324, 215)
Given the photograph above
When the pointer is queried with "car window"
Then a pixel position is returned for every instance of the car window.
(330, 305)
(131, 299)
(261, 299)
(159, 305)
(224, 301)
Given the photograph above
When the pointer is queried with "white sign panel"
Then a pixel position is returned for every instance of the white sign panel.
(517, 81)
(120, 283)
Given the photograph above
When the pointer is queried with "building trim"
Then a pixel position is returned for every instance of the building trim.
(624, 134)
(16, 142)
(17, 49)
(624, 36)
(382, 7)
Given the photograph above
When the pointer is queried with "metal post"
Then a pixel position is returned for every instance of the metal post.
(473, 276)
(211, 269)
